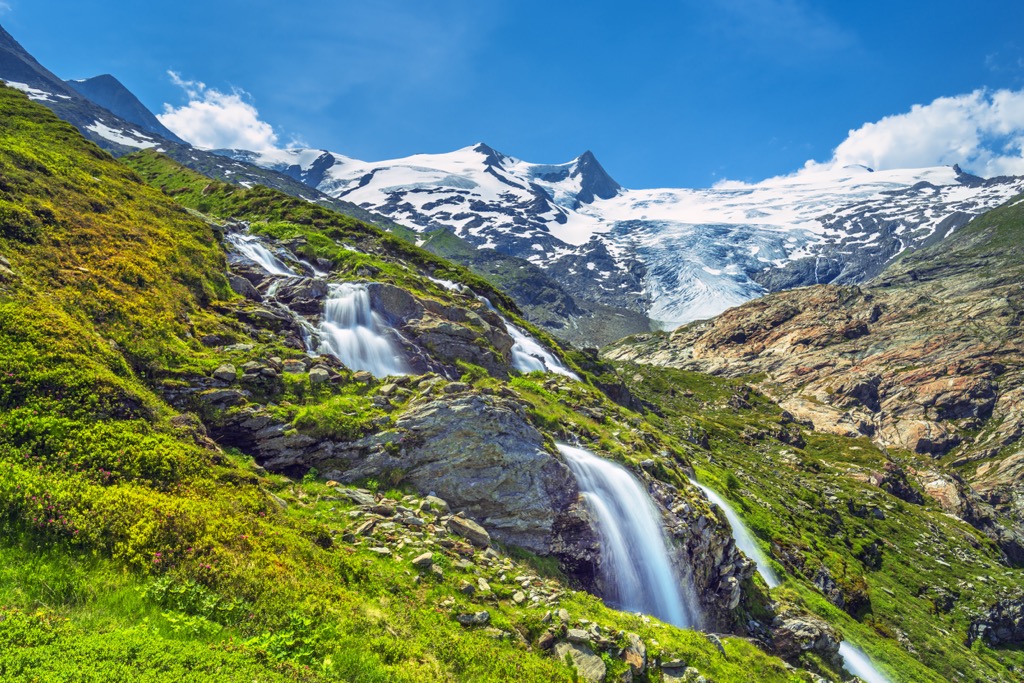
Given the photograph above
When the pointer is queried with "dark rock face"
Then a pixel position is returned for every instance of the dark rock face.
(1002, 625)
(706, 550)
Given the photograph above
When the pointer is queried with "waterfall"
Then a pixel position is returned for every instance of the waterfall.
(854, 660)
(742, 536)
(350, 331)
(252, 249)
(857, 663)
(528, 355)
(636, 566)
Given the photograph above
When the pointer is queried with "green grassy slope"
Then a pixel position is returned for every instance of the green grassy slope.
(131, 547)
(806, 497)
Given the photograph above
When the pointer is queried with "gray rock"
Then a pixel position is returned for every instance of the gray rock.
(474, 619)
(577, 635)
(226, 373)
(470, 530)
(243, 287)
(423, 561)
(589, 666)
(518, 598)
(318, 376)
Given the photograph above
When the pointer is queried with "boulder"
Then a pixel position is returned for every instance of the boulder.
(795, 634)
(226, 373)
(589, 666)
(469, 530)
(242, 286)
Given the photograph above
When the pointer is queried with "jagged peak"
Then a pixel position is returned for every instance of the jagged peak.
(595, 181)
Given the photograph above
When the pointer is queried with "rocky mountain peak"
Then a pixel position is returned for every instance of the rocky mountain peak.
(595, 181)
(108, 92)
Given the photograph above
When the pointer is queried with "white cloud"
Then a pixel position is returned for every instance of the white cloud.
(983, 131)
(5, 7)
(215, 120)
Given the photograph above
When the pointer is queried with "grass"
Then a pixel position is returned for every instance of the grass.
(810, 507)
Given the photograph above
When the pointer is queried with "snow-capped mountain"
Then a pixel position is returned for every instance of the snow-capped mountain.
(675, 254)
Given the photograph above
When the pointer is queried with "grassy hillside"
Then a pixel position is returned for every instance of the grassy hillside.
(132, 547)
(911, 577)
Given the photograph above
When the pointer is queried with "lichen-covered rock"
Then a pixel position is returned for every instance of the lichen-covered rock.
(793, 635)
(589, 666)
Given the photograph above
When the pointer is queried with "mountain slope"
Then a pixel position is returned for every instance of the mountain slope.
(130, 535)
(674, 255)
(109, 93)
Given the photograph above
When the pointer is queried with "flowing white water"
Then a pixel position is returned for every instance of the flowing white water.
(252, 249)
(636, 567)
(350, 331)
(857, 663)
(744, 540)
(527, 353)
(854, 660)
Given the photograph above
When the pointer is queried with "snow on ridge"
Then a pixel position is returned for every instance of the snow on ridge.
(35, 93)
(128, 138)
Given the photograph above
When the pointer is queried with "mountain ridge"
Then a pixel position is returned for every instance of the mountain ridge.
(670, 254)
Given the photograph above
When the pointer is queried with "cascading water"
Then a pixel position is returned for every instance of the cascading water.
(854, 660)
(252, 249)
(857, 663)
(742, 536)
(636, 566)
(350, 331)
(527, 353)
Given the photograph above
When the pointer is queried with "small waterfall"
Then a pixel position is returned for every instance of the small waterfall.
(744, 539)
(252, 249)
(350, 331)
(854, 660)
(528, 355)
(636, 565)
(857, 663)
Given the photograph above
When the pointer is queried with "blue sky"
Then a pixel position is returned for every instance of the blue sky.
(669, 93)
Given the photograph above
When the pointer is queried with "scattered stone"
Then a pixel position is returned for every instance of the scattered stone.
(456, 388)
(226, 373)
(385, 552)
(470, 530)
(466, 588)
(438, 504)
(563, 616)
(318, 376)
(482, 585)
(577, 635)
(436, 571)
(362, 377)
(365, 528)
(358, 497)
(635, 654)
(292, 366)
(423, 561)
(481, 618)
(547, 640)
(589, 666)
(519, 598)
